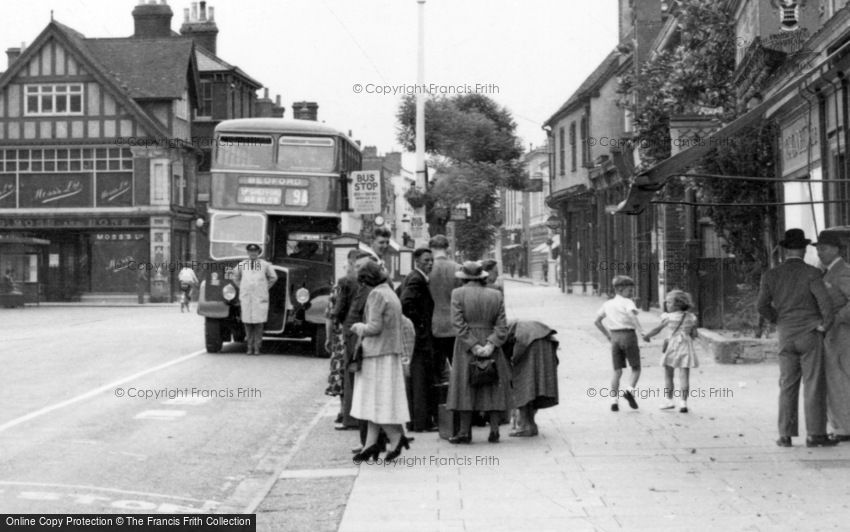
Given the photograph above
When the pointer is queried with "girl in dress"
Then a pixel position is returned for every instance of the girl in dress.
(679, 353)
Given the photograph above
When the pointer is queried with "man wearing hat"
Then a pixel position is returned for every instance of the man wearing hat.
(793, 296)
(836, 359)
(254, 277)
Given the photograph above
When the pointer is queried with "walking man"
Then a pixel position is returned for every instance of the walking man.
(793, 296)
(418, 305)
(254, 277)
(836, 343)
(442, 282)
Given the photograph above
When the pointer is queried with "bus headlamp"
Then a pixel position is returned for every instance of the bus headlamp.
(228, 292)
(302, 295)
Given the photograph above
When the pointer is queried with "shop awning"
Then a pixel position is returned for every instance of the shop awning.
(646, 183)
(510, 247)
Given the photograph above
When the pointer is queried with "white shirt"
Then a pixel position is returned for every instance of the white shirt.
(187, 275)
(425, 275)
(620, 313)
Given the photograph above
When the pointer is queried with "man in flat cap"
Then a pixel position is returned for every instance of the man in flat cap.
(836, 343)
(254, 277)
(793, 296)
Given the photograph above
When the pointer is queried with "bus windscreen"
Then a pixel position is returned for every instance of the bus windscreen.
(244, 151)
(306, 154)
(231, 232)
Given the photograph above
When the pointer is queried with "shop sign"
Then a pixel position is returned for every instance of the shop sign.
(56, 190)
(365, 192)
(115, 190)
(796, 142)
(61, 223)
(8, 190)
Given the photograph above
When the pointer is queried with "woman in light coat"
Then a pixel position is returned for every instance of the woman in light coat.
(478, 315)
(379, 390)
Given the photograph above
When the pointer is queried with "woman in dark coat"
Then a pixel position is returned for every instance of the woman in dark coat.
(531, 348)
(478, 316)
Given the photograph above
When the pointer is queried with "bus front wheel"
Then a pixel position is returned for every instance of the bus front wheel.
(212, 334)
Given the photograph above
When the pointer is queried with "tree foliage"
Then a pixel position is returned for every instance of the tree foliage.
(473, 144)
(695, 78)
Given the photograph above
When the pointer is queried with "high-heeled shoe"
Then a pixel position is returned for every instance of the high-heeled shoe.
(395, 453)
(369, 453)
(465, 438)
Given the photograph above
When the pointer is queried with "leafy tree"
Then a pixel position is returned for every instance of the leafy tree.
(695, 77)
(473, 144)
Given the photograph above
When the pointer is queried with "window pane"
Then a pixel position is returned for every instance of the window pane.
(10, 166)
(60, 89)
(75, 153)
(74, 166)
(100, 153)
(47, 104)
(114, 165)
(126, 153)
(32, 104)
(87, 153)
(23, 166)
(49, 166)
(62, 166)
(127, 164)
(114, 153)
(61, 104)
(49, 154)
(61, 154)
(76, 104)
(100, 165)
(87, 164)
(32, 89)
(36, 155)
(36, 166)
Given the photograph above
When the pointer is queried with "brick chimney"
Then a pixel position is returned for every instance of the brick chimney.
(200, 26)
(151, 19)
(305, 111)
(12, 54)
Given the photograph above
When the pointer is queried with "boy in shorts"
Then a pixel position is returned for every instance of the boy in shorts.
(622, 332)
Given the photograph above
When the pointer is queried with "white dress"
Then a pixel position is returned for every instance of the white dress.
(680, 349)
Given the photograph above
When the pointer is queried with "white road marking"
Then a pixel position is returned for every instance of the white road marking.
(320, 473)
(191, 401)
(163, 415)
(78, 487)
(107, 387)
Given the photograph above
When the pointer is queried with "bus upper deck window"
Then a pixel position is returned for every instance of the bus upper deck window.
(306, 154)
(244, 151)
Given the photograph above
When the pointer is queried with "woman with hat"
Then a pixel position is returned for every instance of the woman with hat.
(254, 277)
(478, 316)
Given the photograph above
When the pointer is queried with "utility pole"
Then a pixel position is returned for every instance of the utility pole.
(421, 180)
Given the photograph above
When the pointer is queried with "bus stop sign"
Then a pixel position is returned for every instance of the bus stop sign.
(365, 192)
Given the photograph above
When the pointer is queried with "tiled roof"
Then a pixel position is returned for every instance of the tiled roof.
(590, 84)
(209, 62)
(146, 68)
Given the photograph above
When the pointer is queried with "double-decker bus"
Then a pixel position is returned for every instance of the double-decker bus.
(281, 184)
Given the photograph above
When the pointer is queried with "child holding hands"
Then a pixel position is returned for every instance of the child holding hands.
(679, 349)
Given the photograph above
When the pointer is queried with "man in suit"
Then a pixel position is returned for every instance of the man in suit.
(837, 340)
(443, 281)
(793, 296)
(418, 306)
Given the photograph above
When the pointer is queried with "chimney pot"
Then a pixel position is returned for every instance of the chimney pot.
(12, 54)
(152, 20)
(203, 11)
(186, 15)
(211, 14)
(277, 100)
(266, 93)
(194, 11)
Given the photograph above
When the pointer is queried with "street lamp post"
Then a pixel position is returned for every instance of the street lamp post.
(421, 179)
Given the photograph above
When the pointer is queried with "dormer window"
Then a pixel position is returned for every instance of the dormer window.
(54, 100)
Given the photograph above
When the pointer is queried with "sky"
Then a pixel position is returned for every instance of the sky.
(528, 56)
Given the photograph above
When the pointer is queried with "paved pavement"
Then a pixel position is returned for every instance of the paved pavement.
(716, 467)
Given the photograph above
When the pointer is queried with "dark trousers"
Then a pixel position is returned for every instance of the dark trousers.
(443, 351)
(801, 358)
(254, 336)
(348, 380)
(422, 391)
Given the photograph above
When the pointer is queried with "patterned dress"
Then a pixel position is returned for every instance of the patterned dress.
(680, 349)
(337, 309)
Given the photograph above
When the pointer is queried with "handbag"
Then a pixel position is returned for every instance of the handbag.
(483, 372)
(356, 358)
(667, 340)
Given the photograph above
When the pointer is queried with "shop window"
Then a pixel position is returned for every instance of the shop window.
(22, 267)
